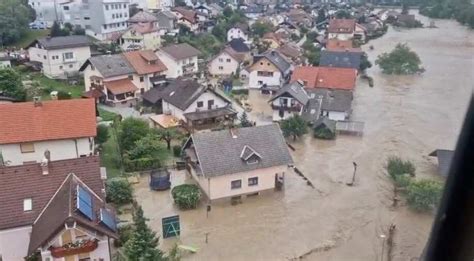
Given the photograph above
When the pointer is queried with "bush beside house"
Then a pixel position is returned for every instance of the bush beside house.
(186, 196)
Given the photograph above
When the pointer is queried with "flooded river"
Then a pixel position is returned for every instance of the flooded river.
(409, 116)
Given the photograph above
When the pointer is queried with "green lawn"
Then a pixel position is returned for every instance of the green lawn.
(49, 85)
(29, 37)
(107, 115)
(110, 156)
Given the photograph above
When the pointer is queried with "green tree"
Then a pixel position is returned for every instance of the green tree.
(244, 120)
(119, 191)
(220, 32)
(186, 196)
(227, 12)
(343, 14)
(56, 29)
(102, 134)
(424, 195)
(364, 63)
(167, 135)
(261, 28)
(11, 85)
(397, 166)
(14, 19)
(131, 130)
(148, 146)
(400, 61)
(143, 244)
(321, 16)
(167, 40)
(294, 127)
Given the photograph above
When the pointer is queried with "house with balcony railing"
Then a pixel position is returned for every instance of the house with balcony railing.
(60, 57)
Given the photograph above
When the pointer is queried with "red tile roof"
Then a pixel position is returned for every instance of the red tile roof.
(341, 25)
(341, 46)
(145, 62)
(53, 120)
(120, 86)
(27, 181)
(325, 77)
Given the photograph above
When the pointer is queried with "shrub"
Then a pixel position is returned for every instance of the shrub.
(119, 192)
(141, 164)
(396, 167)
(102, 134)
(124, 233)
(63, 95)
(186, 196)
(424, 195)
(402, 181)
(177, 151)
(324, 134)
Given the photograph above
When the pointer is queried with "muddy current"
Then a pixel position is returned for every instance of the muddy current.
(408, 116)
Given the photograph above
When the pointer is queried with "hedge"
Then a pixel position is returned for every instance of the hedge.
(141, 164)
(186, 196)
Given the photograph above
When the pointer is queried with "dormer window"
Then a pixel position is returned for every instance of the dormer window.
(249, 155)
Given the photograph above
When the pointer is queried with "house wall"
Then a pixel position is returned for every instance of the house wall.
(152, 41)
(286, 114)
(88, 72)
(266, 66)
(102, 251)
(341, 36)
(14, 243)
(59, 149)
(175, 68)
(235, 33)
(227, 66)
(58, 68)
(205, 97)
(220, 186)
(336, 115)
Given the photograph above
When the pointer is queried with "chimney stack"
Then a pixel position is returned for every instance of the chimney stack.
(45, 162)
(37, 101)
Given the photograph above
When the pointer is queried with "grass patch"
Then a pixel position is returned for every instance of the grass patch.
(110, 156)
(107, 115)
(57, 85)
(29, 36)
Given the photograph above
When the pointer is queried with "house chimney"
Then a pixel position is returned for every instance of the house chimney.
(45, 162)
(37, 101)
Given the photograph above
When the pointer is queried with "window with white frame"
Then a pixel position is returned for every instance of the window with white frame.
(68, 56)
(253, 181)
(27, 204)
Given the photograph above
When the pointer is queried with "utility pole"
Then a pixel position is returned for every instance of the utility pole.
(353, 174)
(383, 245)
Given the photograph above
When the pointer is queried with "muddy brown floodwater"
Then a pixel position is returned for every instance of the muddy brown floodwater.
(409, 116)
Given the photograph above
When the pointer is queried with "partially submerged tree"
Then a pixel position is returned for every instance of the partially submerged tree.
(294, 127)
(143, 244)
(186, 196)
(424, 195)
(364, 63)
(119, 191)
(400, 60)
(244, 120)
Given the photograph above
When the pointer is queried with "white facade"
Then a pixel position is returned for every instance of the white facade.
(257, 79)
(160, 4)
(59, 149)
(59, 63)
(218, 102)
(283, 108)
(145, 41)
(341, 36)
(223, 64)
(336, 115)
(176, 68)
(236, 33)
(14, 243)
(46, 10)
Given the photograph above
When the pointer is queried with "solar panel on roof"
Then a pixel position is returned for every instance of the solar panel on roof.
(108, 219)
(84, 202)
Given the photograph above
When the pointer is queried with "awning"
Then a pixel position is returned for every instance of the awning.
(209, 114)
(120, 86)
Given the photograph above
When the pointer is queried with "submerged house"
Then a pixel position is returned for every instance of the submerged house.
(236, 162)
(269, 71)
(193, 105)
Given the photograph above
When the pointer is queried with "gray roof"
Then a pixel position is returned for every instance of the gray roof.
(181, 51)
(340, 59)
(143, 17)
(220, 152)
(445, 157)
(295, 90)
(110, 65)
(61, 42)
(167, 14)
(277, 59)
(324, 122)
(337, 100)
(206, 114)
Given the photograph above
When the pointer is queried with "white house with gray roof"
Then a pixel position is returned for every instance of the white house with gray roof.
(180, 59)
(236, 162)
(269, 71)
(62, 56)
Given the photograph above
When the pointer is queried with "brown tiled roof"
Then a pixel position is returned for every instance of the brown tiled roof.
(341, 25)
(142, 17)
(120, 86)
(181, 51)
(93, 93)
(290, 51)
(143, 28)
(325, 77)
(145, 62)
(187, 14)
(62, 208)
(27, 181)
(340, 45)
(53, 120)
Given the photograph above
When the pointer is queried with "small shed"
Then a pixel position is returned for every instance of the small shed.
(325, 128)
(160, 179)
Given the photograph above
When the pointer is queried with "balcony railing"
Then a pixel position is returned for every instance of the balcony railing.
(295, 108)
(79, 247)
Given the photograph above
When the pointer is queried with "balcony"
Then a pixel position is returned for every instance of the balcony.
(78, 247)
(294, 108)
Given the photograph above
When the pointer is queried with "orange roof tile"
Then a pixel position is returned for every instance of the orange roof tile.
(145, 62)
(120, 86)
(336, 45)
(52, 120)
(325, 77)
(341, 25)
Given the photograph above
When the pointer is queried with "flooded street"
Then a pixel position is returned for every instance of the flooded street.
(409, 116)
